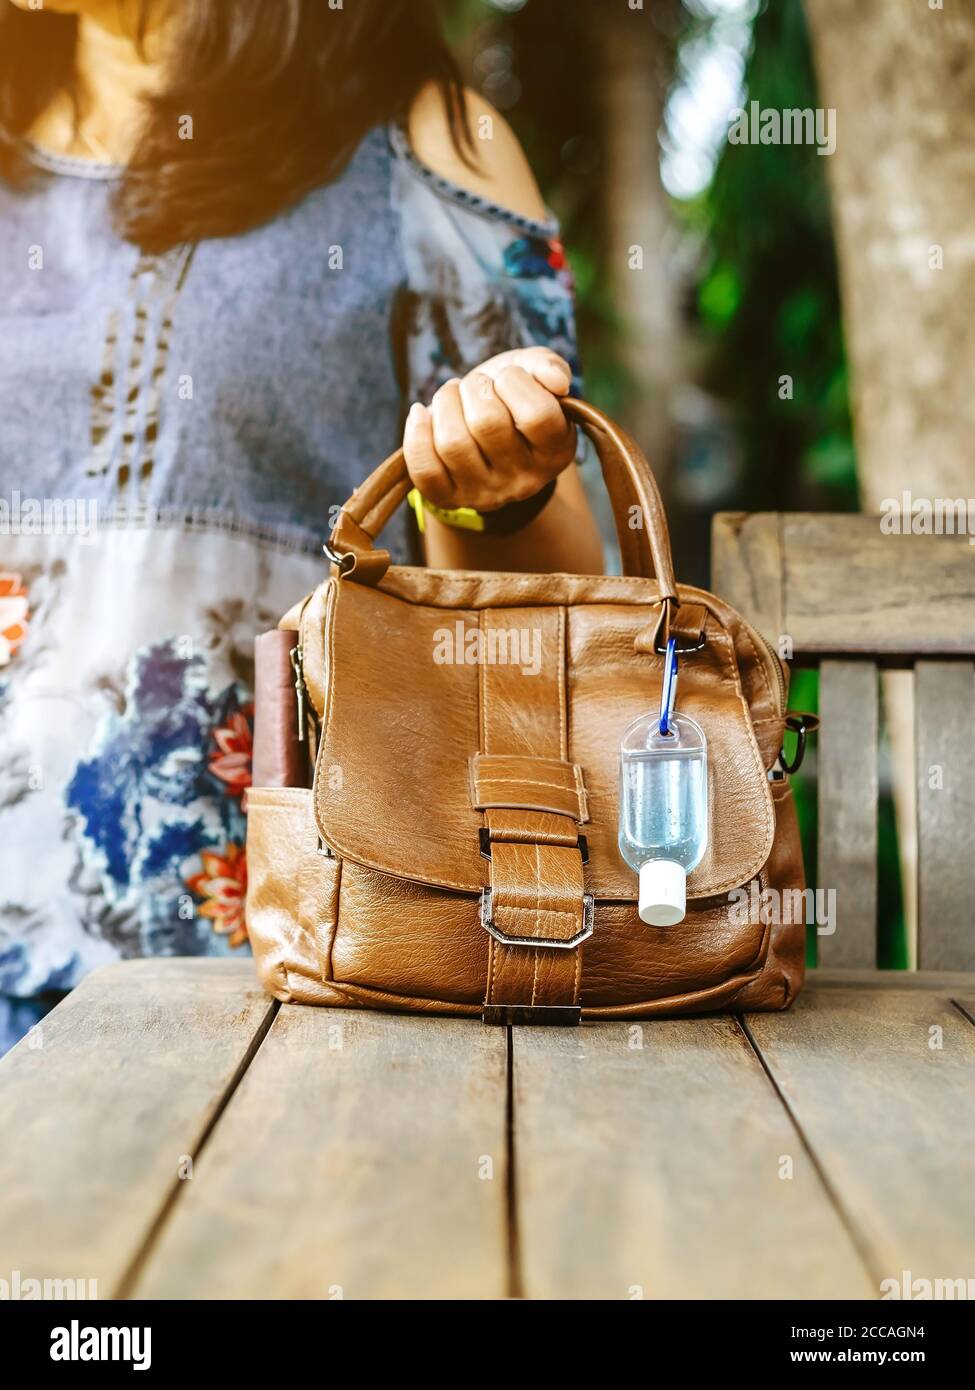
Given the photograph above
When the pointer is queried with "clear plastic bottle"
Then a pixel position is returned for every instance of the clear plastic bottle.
(663, 826)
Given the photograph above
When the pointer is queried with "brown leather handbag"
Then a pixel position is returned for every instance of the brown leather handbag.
(456, 851)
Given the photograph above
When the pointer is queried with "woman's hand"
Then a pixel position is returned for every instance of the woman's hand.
(496, 436)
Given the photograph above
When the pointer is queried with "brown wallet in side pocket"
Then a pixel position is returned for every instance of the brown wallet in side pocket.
(280, 758)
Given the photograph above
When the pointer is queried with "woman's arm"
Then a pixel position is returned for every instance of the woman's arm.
(497, 435)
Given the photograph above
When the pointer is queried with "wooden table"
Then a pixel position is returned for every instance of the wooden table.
(171, 1132)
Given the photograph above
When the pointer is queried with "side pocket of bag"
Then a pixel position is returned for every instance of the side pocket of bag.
(292, 895)
(319, 880)
(785, 968)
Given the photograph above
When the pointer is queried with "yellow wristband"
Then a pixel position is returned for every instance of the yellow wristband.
(462, 518)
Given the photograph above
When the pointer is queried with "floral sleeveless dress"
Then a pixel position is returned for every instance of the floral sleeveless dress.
(176, 432)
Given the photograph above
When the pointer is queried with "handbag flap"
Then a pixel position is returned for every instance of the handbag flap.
(399, 686)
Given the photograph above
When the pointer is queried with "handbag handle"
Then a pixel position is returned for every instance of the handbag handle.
(645, 547)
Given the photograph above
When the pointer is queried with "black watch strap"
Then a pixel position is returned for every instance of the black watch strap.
(516, 515)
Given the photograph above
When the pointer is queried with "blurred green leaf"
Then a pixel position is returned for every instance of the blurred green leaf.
(719, 296)
(830, 461)
(799, 318)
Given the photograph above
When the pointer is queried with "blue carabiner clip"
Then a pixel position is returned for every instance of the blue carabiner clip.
(668, 691)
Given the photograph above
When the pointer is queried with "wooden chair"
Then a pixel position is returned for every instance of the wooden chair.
(850, 600)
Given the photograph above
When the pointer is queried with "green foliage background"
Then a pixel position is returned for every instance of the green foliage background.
(768, 300)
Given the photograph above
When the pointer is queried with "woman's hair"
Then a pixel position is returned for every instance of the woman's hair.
(279, 93)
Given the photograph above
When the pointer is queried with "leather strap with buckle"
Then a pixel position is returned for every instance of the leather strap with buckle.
(535, 909)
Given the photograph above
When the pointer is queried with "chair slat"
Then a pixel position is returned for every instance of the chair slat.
(746, 567)
(945, 742)
(847, 774)
(852, 588)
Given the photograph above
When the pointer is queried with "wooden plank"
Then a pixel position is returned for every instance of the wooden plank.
(849, 588)
(746, 568)
(101, 1103)
(944, 728)
(848, 785)
(656, 1171)
(882, 1085)
(838, 585)
(364, 1155)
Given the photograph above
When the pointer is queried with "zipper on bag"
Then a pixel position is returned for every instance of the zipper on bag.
(776, 665)
(298, 666)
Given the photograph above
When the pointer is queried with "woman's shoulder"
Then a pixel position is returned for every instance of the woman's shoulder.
(487, 172)
(484, 265)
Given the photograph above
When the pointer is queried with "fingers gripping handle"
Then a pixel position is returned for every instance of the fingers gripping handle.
(641, 524)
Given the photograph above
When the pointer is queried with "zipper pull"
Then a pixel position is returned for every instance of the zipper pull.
(297, 665)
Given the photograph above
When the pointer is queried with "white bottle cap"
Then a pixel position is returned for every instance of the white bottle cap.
(663, 893)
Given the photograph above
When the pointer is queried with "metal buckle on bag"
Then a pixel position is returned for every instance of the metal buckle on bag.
(683, 649)
(487, 922)
(800, 725)
(484, 844)
(344, 562)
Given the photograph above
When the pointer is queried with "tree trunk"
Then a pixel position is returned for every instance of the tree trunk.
(636, 64)
(900, 77)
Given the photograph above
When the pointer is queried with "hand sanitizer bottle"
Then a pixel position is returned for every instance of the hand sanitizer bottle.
(663, 826)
